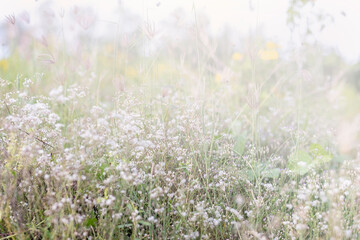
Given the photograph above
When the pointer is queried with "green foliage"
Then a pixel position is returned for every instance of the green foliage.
(263, 170)
(301, 161)
(319, 154)
(239, 145)
(91, 221)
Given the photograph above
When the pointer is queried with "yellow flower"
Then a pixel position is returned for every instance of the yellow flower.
(270, 52)
(237, 56)
(131, 72)
(163, 69)
(271, 45)
(269, 55)
(218, 78)
(4, 65)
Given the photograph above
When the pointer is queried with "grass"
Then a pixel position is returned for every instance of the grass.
(190, 142)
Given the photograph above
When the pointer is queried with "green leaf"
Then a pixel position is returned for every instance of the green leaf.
(272, 173)
(91, 221)
(239, 145)
(106, 193)
(264, 171)
(319, 154)
(145, 223)
(125, 225)
(184, 167)
(300, 162)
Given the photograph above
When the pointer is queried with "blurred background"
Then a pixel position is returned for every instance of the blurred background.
(323, 19)
(300, 55)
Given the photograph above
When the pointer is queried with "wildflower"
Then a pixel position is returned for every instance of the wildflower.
(301, 227)
(4, 65)
(11, 18)
(237, 56)
(270, 52)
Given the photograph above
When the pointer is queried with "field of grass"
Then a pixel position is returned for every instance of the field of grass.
(107, 138)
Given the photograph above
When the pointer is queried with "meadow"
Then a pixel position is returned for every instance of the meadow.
(190, 136)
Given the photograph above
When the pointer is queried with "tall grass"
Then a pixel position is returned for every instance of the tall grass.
(194, 141)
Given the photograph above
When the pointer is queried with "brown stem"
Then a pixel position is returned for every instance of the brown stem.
(40, 140)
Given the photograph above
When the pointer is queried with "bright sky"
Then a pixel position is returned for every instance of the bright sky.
(240, 15)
